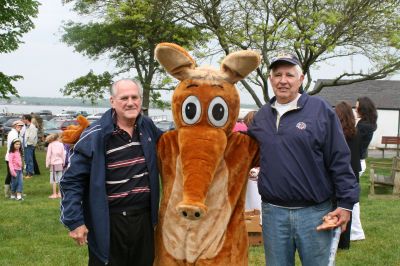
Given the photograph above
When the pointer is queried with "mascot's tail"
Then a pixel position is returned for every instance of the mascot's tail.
(73, 132)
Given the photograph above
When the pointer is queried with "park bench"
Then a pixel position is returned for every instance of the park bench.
(383, 174)
(389, 142)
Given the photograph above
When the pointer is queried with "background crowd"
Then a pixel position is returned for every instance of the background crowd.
(20, 157)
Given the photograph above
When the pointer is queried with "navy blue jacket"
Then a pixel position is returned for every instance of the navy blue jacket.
(306, 160)
(83, 185)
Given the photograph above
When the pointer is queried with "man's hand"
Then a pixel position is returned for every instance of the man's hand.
(79, 234)
(339, 217)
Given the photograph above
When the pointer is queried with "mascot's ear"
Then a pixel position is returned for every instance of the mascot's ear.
(176, 61)
(236, 66)
(72, 133)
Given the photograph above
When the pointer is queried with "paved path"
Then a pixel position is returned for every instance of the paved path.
(378, 153)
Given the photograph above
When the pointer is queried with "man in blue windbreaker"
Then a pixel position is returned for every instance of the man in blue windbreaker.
(304, 168)
(110, 191)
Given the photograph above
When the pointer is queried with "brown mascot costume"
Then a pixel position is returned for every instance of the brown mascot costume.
(203, 165)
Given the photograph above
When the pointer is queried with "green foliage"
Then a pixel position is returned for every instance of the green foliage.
(155, 97)
(15, 20)
(6, 86)
(316, 31)
(90, 87)
(127, 32)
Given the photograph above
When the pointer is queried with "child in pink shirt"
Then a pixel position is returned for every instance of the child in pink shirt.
(15, 165)
(55, 160)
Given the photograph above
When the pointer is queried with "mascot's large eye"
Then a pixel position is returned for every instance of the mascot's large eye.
(218, 112)
(191, 110)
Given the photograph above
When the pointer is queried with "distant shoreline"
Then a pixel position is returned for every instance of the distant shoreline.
(23, 100)
(69, 102)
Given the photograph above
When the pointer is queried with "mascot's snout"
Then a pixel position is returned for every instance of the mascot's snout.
(200, 156)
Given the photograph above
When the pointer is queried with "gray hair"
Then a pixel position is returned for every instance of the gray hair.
(136, 82)
(298, 70)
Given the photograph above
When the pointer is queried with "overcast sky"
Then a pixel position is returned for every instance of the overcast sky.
(47, 65)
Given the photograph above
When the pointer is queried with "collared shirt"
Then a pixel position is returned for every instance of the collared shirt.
(127, 176)
(281, 109)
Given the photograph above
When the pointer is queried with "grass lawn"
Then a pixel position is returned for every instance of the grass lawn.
(31, 233)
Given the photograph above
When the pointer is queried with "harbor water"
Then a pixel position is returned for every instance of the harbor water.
(27, 109)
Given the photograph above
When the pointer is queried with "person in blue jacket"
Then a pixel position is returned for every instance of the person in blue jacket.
(110, 190)
(304, 167)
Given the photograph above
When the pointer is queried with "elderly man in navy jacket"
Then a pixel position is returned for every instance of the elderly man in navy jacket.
(110, 191)
(304, 169)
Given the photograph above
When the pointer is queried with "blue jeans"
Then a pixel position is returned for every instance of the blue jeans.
(285, 230)
(28, 152)
(17, 184)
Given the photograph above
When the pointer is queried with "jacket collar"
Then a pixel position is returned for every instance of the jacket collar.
(300, 102)
(108, 120)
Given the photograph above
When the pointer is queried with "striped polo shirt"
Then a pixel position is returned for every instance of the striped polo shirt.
(127, 176)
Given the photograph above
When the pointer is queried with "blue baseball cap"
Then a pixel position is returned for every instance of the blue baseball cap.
(284, 57)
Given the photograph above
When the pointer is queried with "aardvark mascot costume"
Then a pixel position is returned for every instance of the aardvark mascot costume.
(203, 165)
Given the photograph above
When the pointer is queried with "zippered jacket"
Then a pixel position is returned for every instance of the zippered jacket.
(14, 162)
(31, 137)
(304, 159)
(83, 188)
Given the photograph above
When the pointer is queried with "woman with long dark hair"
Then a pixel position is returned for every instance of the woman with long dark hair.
(348, 122)
(368, 115)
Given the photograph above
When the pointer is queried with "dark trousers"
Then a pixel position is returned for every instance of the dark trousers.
(131, 240)
(8, 176)
(36, 169)
(344, 242)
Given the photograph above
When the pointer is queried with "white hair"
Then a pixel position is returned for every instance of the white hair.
(299, 71)
(136, 82)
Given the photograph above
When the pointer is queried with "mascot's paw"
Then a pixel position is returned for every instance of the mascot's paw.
(73, 132)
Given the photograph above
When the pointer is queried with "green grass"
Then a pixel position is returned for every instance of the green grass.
(31, 233)
(30, 230)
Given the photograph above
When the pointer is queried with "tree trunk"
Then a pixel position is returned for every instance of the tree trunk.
(146, 99)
